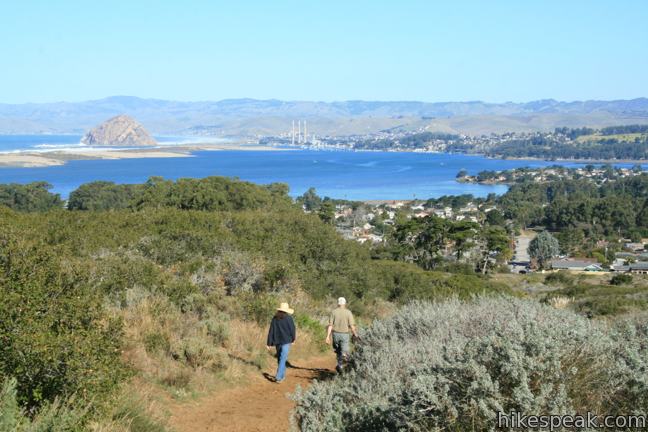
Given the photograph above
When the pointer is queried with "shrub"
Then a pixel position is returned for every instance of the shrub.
(54, 335)
(155, 342)
(559, 278)
(55, 417)
(131, 413)
(178, 378)
(258, 308)
(217, 329)
(621, 279)
(453, 366)
(198, 352)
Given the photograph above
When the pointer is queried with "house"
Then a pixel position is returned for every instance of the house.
(640, 267)
(637, 247)
(440, 213)
(576, 265)
(470, 207)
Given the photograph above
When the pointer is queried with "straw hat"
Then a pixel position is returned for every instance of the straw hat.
(285, 308)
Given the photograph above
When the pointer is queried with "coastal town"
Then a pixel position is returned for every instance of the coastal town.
(628, 142)
(597, 174)
(371, 223)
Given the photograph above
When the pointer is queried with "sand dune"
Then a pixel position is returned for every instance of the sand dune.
(53, 158)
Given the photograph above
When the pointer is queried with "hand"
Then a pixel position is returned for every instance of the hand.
(328, 340)
(268, 347)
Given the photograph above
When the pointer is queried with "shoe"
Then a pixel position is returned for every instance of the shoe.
(279, 381)
(338, 369)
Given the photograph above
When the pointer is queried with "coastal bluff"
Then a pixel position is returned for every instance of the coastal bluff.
(121, 130)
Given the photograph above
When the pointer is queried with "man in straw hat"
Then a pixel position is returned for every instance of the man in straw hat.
(341, 324)
(281, 335)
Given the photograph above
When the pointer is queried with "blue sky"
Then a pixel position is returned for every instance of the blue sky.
(330, 50)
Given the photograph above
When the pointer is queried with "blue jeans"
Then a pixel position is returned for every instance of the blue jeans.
(282, 357)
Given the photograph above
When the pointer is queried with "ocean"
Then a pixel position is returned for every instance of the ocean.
(337, 174)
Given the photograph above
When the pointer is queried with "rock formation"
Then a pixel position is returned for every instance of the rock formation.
(119, 131)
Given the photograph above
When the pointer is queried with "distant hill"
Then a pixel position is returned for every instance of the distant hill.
(249, 117)
(121, 130)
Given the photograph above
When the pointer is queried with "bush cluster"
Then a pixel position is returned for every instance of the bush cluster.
(54, 335)
(454, 365)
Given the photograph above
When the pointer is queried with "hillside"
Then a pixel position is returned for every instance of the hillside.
(266, 117)
(136, 293)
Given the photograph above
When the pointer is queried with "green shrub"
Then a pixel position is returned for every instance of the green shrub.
(54, 417)
(453, 366)
(259, 308)
(217, 329)
(54, 335)
(29, 197)
(562, 277)
(621, 279)
(156, 342)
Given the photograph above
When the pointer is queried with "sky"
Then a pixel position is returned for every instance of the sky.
(432, 51)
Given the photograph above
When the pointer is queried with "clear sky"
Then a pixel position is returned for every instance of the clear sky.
(55, 50)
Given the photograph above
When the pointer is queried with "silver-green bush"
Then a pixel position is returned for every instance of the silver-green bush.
(453, 366)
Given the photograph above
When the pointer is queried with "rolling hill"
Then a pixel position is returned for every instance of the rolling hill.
(250, 117)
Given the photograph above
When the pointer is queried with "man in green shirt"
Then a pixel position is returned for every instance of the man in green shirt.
(341, 324)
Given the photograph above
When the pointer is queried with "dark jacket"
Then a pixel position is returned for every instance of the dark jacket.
(282, 331)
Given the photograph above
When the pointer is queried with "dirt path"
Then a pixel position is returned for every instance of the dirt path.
(259, 406)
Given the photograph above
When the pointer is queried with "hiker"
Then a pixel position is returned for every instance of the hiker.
(281, 335)
(341, 323)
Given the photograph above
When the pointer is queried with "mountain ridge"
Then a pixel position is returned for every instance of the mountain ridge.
(247, 116)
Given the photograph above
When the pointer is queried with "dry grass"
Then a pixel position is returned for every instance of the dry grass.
(194, 352)
(560, 302)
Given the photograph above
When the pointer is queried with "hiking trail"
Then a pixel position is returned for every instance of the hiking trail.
(257, 406)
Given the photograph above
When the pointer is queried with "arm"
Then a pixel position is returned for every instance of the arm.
(329, 329)
(270, 335)
(293, 330)
(353, 326)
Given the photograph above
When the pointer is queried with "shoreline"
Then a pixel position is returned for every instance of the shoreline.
(43, 159)
(484, 155)
(49, 158)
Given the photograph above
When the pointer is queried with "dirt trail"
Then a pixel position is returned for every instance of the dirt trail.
(259, 406)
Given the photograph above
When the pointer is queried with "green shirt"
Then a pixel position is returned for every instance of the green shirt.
(341, 320)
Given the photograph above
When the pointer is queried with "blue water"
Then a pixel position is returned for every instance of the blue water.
(338, 174)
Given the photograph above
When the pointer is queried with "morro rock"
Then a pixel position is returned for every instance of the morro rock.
(119, 131)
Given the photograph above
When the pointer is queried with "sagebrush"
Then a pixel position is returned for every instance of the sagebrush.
(452, 366)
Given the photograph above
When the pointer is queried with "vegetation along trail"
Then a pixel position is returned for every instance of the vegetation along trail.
(261, 405)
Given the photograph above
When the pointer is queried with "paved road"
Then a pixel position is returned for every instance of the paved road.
(521, 255)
